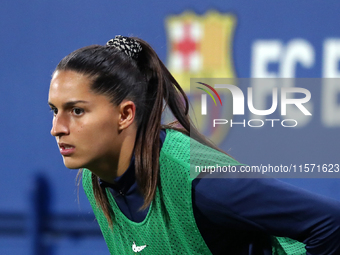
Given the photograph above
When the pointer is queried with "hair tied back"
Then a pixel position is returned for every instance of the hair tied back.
(125, 44)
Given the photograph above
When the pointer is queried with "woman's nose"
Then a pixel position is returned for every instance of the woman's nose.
(59, 126)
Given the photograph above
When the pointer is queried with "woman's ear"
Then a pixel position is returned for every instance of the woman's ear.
(127, 111)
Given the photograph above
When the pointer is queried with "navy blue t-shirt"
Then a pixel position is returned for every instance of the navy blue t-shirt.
(239, 215)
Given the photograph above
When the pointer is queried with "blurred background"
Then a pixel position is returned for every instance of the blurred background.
(39, 208)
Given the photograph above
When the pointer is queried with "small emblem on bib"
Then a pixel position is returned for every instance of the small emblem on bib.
(136, 248)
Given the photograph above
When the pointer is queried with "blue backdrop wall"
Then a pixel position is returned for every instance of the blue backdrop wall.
(36, 34)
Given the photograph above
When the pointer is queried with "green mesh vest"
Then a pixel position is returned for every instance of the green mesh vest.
(169, 227)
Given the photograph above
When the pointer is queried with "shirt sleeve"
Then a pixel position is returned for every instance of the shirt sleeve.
(271, 206)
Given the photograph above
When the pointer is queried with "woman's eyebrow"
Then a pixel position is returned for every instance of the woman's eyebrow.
(50, 104)
(70, 103)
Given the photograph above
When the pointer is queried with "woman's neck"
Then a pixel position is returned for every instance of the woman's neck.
(117, 163)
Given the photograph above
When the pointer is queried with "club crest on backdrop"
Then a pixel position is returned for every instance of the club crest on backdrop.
(200, 46)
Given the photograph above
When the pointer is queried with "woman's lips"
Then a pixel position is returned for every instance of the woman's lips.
(66, 149)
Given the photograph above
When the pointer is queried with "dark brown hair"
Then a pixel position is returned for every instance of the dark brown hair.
(148, 83)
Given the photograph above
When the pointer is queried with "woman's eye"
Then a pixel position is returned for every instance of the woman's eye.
(54, 111)
(77, 111)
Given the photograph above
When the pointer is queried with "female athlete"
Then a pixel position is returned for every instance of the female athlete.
(107, 103)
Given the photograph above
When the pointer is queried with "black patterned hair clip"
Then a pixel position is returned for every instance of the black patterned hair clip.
(125, 44)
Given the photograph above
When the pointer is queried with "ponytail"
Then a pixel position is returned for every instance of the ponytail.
(162, 88)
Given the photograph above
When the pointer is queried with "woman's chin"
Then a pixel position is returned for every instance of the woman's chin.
(72, 164)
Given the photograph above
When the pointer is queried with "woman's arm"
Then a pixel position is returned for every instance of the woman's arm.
(270, 206)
